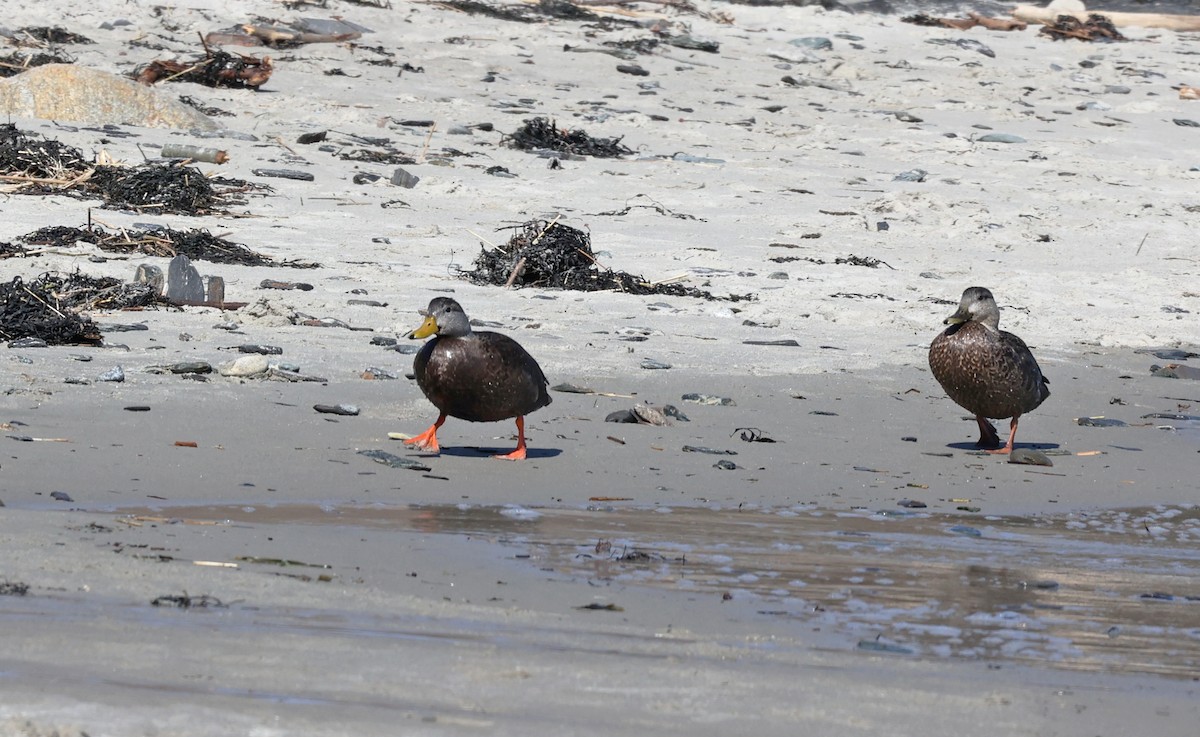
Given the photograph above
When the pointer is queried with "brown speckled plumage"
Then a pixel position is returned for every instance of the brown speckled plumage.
(475, 376)
(988, 372)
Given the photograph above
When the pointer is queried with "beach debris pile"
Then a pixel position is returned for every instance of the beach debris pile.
(198, 244)
(216, 68)
(33, 164)
(1096, 28)
(48, 309)
(543, 134)
(556, 256)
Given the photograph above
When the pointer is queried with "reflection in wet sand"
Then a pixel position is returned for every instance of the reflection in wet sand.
(1114, 591)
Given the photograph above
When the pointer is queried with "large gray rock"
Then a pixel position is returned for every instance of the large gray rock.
(67, 92)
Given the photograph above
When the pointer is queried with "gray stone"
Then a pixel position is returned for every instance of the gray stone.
(183, 281)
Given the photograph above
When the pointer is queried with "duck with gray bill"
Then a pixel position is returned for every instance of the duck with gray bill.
(985, 370)
(475, 376)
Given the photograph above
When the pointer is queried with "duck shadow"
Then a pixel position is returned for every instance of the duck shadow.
(970, 446)
(475, 451)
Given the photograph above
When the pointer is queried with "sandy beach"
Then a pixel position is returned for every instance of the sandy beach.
(823, 551)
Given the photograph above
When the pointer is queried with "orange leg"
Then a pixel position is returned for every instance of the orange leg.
(519, 453)
(987, 434)
(428, 439)
(1012, 435)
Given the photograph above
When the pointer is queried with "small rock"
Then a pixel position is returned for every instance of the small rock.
(1027, 457)
(61, 496)
(912, 504)
(249, 365)
(116, 373)
(725, 465)
(402, 178)
(1000, 138)
(912, 175)
(346, 410)
(1098, 422)
(653, 365)
(150, 275)
(649, 415)
(633, 69)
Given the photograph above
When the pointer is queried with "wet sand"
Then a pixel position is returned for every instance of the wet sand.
(614, 582)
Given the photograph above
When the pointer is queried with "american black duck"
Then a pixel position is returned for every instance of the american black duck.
(986, 371)
(474, 376)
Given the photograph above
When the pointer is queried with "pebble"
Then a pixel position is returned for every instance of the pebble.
(61, 496)
(76, 380)
(1185, 122)
(138, 408)
(116, 373)
(346, 410)
(407, 349)
(912, 504)
(788, 342)
(249, 365)
(651, 364)
(1000, 138)
(725, 465)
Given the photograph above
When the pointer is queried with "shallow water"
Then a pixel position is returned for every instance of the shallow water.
(1112, 591)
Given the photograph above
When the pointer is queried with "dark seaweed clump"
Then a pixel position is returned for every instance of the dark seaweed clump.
(557, 256)
(197, 244)
(33, 164)
(542, 133)
(16, 62)
(49, 307)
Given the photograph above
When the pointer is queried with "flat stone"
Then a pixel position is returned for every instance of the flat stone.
(69, 92)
